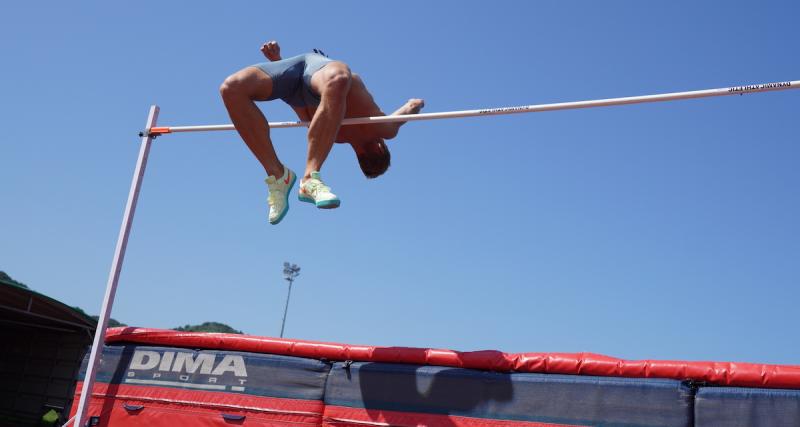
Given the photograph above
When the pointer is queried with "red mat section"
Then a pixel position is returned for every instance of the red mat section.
(720, 373)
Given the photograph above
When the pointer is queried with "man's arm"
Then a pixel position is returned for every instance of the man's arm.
(413, 106)
(360, 103)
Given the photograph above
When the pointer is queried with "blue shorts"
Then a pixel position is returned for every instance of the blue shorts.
(291, 78)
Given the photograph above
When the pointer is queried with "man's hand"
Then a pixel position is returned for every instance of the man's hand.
(271, 50)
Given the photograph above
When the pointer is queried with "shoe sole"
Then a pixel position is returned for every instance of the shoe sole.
(325, 204)
(285, 202)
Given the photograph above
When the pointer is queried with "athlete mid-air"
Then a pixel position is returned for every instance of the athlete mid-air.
(322, 91)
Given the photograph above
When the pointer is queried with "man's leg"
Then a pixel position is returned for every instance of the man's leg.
(239, 92)
(332, 83)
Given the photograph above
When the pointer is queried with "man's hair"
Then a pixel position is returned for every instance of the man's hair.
(375, 159)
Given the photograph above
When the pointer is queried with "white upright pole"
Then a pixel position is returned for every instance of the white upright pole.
(113, 278)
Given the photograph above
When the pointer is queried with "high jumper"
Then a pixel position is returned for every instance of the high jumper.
(319, 90)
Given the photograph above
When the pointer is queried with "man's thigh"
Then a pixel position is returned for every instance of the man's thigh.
(254, 82)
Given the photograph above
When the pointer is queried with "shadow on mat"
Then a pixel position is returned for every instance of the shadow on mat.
(387, 390)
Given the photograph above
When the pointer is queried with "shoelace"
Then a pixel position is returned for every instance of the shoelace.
(273, 197)
(314, 187)
(274, 193)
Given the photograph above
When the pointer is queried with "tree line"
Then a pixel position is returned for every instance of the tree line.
(203, 327)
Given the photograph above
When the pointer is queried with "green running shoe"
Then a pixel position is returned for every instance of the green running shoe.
(279, 195)
(315, 191)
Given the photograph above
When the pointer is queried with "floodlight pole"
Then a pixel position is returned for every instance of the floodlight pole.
(290, 272)
(116, 267)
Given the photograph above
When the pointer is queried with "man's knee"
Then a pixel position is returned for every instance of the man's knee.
(337, 81)
(247, 83)
(232, 86)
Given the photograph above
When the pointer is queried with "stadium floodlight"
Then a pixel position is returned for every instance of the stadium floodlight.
(290, 272)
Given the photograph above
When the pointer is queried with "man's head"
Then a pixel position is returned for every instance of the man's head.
(373, 157)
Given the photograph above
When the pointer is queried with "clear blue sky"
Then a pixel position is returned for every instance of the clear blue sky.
(664, 231)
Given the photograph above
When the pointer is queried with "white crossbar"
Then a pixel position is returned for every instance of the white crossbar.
(735, 90)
